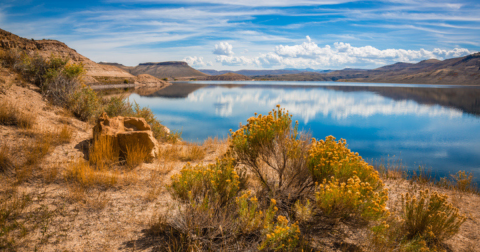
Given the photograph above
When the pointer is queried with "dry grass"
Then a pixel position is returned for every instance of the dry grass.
(65, 134)
(6, 163)
(86, 176)
(192, 152)
(50, 173)
(103, 153)
(10, 114)
(38, 148)
(135, 155)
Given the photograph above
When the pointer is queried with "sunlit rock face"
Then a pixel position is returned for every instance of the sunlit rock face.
(126, 132)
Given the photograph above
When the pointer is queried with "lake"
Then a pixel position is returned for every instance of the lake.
(435, 126)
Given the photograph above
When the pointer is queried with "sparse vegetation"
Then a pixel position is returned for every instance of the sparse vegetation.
(12, 115)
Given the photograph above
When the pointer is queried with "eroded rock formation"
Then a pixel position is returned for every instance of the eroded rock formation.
(127, 132)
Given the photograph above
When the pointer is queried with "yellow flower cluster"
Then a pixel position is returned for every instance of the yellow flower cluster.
(283, 237)
(261, 129)
(351, 199)
(328, 158)
(218, 181)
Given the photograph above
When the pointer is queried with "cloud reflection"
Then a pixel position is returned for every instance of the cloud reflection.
(308, 103)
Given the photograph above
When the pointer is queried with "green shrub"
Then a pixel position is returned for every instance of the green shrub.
(117, 106)
(430, 217)
(84, 103)
(219, 182)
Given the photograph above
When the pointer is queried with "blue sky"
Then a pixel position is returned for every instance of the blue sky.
(253, 34)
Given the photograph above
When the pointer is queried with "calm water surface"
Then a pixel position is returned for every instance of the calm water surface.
(435, 126)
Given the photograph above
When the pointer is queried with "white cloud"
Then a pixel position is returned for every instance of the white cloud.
(310, 54)
(255, 3)
(224, 48)
(197, 61)
(233, 61)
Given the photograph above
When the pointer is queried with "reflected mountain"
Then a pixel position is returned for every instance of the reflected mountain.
(466, 99)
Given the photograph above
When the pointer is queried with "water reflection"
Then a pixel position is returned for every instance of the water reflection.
(308, 103)
(438, 128)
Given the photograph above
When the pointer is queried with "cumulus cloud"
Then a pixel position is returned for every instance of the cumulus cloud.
(224, 48)
(342, 53)
(233, 61)
(197, 61)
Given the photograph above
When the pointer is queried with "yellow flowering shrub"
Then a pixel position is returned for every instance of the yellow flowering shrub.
(430, 217)
(250, 216)
(284, 236)
(351, 199)
(260, 130)
(272, 149)
(217, 182)
(328, 158)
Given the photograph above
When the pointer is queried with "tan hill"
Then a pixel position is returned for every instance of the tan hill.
(226, 77)
(168, 69)
(96, 73)
(456, 71)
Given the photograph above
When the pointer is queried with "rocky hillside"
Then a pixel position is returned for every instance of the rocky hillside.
(456, 71)
(169, 69)
(96, 73)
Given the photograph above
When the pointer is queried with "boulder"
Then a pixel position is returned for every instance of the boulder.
(126, 131)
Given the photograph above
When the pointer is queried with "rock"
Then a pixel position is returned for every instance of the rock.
(126, 131)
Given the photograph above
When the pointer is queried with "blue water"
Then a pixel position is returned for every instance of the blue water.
(442, 138)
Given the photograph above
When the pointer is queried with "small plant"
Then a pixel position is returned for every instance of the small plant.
(463, 181)
(430, 217)
(12, 206)
(303, 212)
(104, 152)
(11, 115)
(219, 182)
(84, 103)
(284, 236)
(352, 199)
(192, 152)
(39, 148)
(87, 176)
(6, 163)
(65, 134)
(135, 155)
(250, 216)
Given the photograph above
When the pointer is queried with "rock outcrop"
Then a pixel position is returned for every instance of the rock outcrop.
(127, 132)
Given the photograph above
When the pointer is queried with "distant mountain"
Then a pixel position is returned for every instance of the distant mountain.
(226, 77)
(261, 72)
(456, 71)
(169, 69)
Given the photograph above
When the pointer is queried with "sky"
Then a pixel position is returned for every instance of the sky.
(253, 34)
